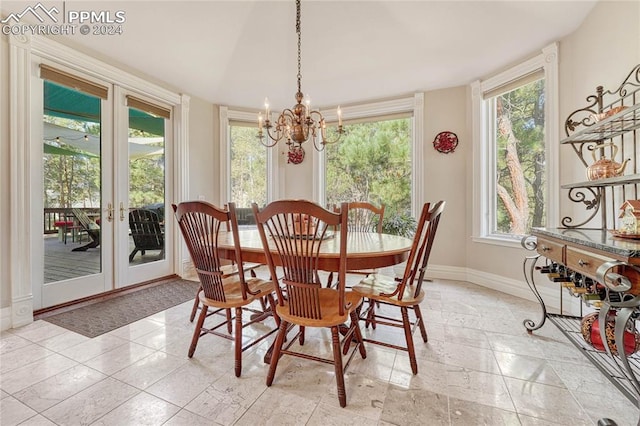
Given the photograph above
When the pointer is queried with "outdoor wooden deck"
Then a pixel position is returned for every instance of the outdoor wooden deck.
(61, 263)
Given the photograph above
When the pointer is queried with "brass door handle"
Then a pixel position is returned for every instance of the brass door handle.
(121, 211)
(109, 212)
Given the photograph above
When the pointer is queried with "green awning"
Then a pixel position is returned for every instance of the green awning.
(60, 101)
(50, 149)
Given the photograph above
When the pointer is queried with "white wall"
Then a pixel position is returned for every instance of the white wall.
(601, 51)
(5, 293)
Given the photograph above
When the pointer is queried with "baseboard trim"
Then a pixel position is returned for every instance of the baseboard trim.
(5, 318)
(518, 288)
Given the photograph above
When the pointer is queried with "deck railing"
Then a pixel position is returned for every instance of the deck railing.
(60, 214)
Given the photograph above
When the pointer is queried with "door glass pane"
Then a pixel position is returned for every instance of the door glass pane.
(72, 190)
(146, 213)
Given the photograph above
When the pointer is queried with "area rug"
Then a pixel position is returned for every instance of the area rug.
(102, 317)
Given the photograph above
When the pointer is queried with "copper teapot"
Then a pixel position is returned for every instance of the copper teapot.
(605, 168)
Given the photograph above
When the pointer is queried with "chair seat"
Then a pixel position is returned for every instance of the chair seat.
(376, 286)
(329, 308)
(233, 293)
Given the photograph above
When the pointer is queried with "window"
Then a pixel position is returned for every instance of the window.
(374, 160)
(246, 167)
(248, 171)
(514, 124)
(372, 163)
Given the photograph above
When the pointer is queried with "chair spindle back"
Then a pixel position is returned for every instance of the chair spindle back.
(297, 229)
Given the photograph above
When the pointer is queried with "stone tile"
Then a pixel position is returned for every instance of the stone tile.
(32, 373)
(528, 368)
(275, 407)
(38, 421)
(53, 390)
(465, 413)
(325, 415)
(544, 401)
(185, 383)
(119, 358)
(92, 348)
(143, 373)
(479, 387)
(13, 412)
(10, 342)
(377, 365)
(142, 409)
(524, 344)
(471, 358)
(92, 403)
(414, 407)
(38, 331)
(228, 398)
(22, 356)
(136, 329)
(187, 418)
(432, 376)
(365, 396)
(63, 341)
(607, 405)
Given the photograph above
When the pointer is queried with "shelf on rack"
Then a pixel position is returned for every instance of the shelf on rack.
(612, 181)
(625, 121)
(570, 327)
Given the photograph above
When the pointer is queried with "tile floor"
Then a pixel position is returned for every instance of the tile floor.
(479, 367)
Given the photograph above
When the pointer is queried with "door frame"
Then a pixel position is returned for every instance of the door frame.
(25, 53)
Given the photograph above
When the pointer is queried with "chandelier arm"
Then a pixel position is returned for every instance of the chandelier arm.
(269, 136)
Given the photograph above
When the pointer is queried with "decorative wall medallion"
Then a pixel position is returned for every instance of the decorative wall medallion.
(295, 154)
(445, 142)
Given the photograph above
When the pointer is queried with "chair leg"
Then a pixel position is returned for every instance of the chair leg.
(330, 280)
(196, 302)
(423, 329)
(301, 337)
(358, 337)
(277, 347)
(371, 315)
(229, 321)
(407, 334)
(197, 330)
(133, 254)
(238, 341)
(337, 362)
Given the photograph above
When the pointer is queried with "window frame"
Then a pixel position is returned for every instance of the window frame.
(371, 111)
(484, 194)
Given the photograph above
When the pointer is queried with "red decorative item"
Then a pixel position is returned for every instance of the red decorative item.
(295, 154)
(590, 328)
(445, 142)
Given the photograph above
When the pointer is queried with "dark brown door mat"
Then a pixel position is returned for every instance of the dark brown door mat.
(101, 317)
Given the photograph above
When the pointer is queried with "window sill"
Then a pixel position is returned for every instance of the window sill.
(512, 242)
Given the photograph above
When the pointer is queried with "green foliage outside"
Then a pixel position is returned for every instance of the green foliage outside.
(74, 180)
(524, 107)
(372, 162)
(248, 167)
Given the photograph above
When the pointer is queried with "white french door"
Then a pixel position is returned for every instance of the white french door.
(98, 153)
(144, 226)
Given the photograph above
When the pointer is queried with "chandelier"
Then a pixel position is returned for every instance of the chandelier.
(299, 123)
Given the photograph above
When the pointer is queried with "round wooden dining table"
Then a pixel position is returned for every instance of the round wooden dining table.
(365, 250)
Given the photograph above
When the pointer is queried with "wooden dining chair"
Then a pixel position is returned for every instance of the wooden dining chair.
(229, 268)
(362, 217)
(292, 233)
(201, 224)
(406, 293)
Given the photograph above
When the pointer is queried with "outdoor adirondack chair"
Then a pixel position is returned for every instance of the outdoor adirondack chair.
(92, 228)
(146, 232)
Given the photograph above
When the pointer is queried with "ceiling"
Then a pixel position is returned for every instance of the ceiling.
(239, 52)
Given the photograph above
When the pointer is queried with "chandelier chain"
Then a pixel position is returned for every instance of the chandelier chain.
(299, 43)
